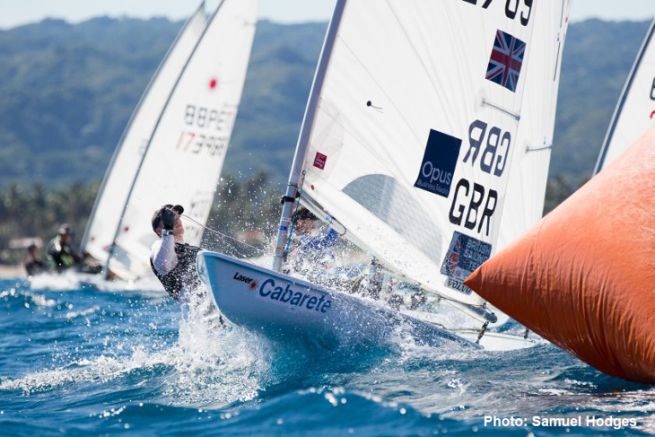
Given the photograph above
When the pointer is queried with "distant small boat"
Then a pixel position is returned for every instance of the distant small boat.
(174, 145)
(426, 142)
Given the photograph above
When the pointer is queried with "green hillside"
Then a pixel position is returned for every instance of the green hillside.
(68, 90)
(597, 59)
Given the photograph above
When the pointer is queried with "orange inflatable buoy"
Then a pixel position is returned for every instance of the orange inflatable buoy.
(584, 277)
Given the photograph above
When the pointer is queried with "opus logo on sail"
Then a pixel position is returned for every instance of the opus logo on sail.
(439, 161)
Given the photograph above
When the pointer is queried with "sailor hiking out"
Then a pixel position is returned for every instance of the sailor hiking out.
(174, 264)
(173, 261)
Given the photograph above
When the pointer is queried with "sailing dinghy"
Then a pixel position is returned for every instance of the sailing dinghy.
(420, 115)
(174, 145)
(106, 214)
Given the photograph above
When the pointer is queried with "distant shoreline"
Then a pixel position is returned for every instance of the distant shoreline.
(12, 271)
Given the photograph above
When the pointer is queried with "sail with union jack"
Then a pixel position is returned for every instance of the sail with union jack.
(506, 59)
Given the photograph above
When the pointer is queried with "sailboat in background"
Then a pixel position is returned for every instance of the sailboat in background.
(119, 177)
(420, 117)
(175, 143)
(635, 110)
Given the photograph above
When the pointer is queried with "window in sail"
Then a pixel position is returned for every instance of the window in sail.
(385, 198)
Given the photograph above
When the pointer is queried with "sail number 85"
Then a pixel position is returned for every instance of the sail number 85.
(512, 8)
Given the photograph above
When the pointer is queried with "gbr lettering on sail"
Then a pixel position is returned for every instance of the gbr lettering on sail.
(473, 205)
(475, 200)
(483, 167)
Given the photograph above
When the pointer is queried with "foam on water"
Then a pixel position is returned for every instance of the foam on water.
(54, 281)
(71, 280)
(209, 365)
(113, 360)
(215, 365)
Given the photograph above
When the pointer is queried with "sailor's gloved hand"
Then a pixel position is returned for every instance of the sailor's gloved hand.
(168, 218)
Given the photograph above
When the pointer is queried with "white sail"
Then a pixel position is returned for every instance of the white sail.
(116, 185)
(526, 189)
(412, 127)
(635, 111)
(185, 154)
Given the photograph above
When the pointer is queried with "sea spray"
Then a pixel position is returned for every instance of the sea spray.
(215, 363)
(142, 364)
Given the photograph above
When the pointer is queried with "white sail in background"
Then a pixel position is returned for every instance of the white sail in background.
(635, 111)
(185, 154)
(118, 179)
(414, 123)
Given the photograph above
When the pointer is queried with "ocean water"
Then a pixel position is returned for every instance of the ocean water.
(81, 359)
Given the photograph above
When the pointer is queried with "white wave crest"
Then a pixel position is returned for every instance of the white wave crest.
(209, 366)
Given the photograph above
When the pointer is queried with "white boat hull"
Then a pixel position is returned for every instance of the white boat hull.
(281, 306)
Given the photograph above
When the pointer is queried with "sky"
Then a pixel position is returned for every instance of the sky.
(17, 12)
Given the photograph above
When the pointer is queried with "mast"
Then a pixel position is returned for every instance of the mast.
(121, 141)
(624, 95)
(303, 139)
(112, 246)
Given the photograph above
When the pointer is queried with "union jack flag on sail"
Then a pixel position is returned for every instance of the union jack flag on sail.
(506, 59)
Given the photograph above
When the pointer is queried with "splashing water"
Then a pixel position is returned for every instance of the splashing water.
(100, 361)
